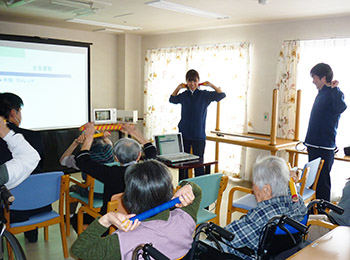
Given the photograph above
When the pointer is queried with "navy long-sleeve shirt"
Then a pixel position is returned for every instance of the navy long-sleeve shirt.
(194, 111)
(324, 117)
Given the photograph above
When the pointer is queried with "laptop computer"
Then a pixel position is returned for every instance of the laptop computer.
(170, 149)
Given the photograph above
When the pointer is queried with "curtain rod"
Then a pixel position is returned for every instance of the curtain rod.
(319, 38)
(204, 45)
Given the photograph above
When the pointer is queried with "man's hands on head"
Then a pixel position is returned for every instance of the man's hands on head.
(334, 83)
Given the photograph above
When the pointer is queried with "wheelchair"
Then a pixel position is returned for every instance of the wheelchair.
(280, 238)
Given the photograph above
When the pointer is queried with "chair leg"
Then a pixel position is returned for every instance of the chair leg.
(64, 239)
(46, 233)
(9, 251)
(67, 216)
(80, 220)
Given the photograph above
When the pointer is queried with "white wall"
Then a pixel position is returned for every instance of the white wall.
(266, 41)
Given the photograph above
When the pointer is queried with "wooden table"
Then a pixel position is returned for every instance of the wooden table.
(293, 157)
(192, 165)
(256, 141)
(334, 245)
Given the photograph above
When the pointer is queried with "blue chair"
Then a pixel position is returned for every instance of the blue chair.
(242, 204)
(309, 179)
(213, 187)
(37, 191)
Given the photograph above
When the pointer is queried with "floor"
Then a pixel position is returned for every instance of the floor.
(52, 249)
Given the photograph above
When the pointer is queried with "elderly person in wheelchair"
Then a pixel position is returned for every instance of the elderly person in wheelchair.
(271, 189)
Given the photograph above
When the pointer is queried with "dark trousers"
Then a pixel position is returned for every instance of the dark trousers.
(198, 147)
(323, 190)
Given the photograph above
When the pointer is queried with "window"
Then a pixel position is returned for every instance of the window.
(226, 66)
(336, 53)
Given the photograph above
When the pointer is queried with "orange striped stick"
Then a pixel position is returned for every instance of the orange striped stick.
(105, 127)
(293, 190)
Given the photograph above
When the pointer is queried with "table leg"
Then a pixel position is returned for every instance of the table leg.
(207, 169)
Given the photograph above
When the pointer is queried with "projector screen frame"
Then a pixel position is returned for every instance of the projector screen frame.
(59, 42)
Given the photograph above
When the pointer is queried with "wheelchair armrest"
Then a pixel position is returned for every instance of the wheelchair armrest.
(221, 231)
(246, 250)
(321, 223)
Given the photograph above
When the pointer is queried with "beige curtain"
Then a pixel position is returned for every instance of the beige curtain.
(226, 66)
(286, 84)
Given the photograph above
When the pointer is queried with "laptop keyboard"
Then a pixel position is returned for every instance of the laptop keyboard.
(181, 157)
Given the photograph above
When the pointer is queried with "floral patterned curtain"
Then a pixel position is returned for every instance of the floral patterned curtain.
(286, 84)
(226, 66)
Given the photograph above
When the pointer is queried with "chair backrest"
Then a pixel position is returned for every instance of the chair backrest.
(116, 204)
(313, 169)
(210, 185)
(37, 191)
(98, 187)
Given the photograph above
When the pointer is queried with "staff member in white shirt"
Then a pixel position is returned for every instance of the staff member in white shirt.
(25, 158)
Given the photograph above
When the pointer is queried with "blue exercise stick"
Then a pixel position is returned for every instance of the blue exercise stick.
(151, 212)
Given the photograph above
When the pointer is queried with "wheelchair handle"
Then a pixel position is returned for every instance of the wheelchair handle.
(221, 231)
(149, 249)
(324, 204)
(333, 207)
(291, 222)
(295, 224)
(6, 196)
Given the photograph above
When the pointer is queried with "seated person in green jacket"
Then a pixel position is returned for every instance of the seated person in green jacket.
(148, 185)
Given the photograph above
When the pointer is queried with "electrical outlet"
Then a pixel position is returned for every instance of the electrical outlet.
(266, 116)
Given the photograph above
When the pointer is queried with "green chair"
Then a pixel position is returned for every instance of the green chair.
(91, 202)
(213, 187)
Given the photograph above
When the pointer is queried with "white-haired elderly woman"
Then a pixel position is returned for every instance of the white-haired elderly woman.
(271, 190)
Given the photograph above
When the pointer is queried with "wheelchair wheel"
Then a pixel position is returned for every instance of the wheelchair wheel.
(10, 247)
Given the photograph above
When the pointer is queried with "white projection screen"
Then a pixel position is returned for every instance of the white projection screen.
(51, 76)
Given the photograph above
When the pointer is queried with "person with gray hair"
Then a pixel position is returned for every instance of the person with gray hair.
(271, 190)
(127, 151)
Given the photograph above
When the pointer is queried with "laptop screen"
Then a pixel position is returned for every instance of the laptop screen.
(169, 143)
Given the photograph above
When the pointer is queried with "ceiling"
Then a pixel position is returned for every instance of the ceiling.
(156, 21)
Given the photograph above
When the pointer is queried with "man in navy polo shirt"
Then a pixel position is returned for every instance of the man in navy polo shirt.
(323, 124)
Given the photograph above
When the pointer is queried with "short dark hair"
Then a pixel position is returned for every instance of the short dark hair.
(9, 101)
(147, 185)
(192, 75)
(322, 70)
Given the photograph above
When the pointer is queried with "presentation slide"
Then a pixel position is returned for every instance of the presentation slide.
(51, 79)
